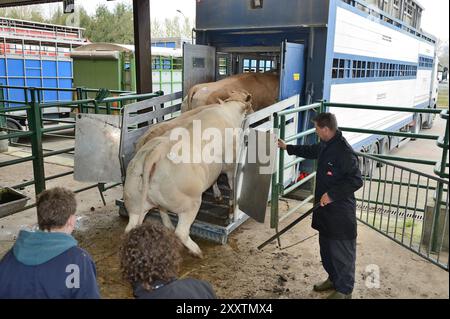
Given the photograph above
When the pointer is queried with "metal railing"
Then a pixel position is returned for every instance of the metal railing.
(36, 131)
(415, 200)
(279, 188)
(404, 205)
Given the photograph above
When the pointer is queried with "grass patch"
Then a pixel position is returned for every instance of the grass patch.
(395, 227)
(443, 97)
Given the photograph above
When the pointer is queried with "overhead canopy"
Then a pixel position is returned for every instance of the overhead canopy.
(142, 32)
(14, 3)
(114, 47)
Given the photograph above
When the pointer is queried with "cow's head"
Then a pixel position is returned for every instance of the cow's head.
(243, 97)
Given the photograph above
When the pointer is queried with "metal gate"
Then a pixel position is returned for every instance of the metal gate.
(407, 206)
(403, 205)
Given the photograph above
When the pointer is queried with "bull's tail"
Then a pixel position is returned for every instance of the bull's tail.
(154, 155)
(139, 172)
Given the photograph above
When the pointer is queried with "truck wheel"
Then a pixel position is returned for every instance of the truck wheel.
(428, 124)
(368, 167)
(14, 125)
(417, 127)
(384, 149)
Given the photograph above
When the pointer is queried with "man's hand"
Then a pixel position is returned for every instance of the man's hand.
(325, 200)
(282, 144)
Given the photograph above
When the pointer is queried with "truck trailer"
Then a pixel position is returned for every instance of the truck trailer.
(341, 51)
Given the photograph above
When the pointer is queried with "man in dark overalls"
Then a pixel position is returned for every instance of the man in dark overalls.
(338, 178)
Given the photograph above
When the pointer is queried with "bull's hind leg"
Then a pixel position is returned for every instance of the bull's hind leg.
(166, 219)
(133, 221)
(185, 220)
(136, 219)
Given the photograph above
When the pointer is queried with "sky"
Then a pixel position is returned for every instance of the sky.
(435, 19)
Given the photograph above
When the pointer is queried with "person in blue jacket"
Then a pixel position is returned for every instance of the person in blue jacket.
(47, 264)
(338, 178)
(150, 259)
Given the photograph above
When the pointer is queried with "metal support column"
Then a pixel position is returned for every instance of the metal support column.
(34, 122)
(142, 42)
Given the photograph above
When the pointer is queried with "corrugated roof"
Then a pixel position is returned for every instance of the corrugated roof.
(129, 48)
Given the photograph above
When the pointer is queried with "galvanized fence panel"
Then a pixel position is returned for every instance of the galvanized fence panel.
(401, 204)
(32, 112)
(407, 206)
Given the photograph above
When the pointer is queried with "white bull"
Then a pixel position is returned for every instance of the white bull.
(154, 180)
(184, 120)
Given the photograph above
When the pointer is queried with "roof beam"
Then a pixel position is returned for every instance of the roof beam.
(142, 42)
(15, 3)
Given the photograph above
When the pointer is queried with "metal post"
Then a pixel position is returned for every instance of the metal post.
(281, 163)
(142, 41)
(80, 97)
(322, 106)
(2, 105)
(96, 108)
(275, 191)
(34, 122)
(439, 193)
(172, 60)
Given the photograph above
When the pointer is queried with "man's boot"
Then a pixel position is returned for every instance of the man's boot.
(324, 286)
(339, 295)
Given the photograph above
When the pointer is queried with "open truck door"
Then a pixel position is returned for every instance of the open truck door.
(292, 76)
(292, 71)
(199, 65)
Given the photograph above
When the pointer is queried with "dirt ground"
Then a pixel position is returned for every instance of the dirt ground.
(237, 269)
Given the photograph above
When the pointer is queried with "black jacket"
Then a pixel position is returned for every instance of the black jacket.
(338, 175)
(188, 288)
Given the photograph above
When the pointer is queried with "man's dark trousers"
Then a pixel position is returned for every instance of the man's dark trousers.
(338, 175)
(338, 259)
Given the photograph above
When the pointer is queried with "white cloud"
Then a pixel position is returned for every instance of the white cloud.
(435, 19)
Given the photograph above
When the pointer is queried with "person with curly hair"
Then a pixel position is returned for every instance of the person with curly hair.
(150, 259)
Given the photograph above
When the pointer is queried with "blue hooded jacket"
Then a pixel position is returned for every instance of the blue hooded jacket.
(45, 265)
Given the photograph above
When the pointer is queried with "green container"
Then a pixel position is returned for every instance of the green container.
(112, 66)
(104, 66)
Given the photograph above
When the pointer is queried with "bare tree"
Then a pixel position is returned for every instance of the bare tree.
(442, 48)
(105, 25)
(33, 13)
(158, 30)
(174, 27)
